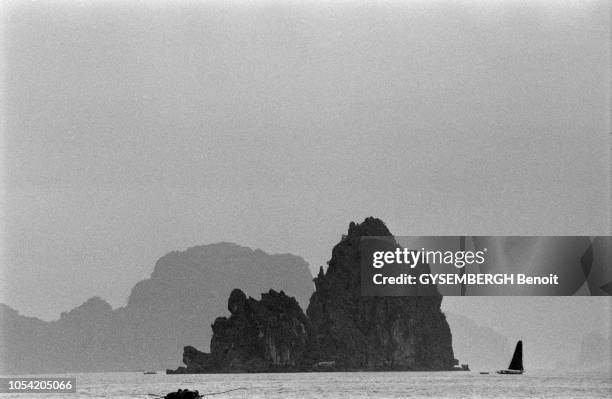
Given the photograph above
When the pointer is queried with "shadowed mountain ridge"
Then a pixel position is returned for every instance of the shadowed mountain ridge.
(171, 309)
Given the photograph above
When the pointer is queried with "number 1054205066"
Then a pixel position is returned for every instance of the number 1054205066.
(38, 384)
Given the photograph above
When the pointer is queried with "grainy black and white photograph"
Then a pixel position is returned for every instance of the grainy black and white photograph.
(305, 199)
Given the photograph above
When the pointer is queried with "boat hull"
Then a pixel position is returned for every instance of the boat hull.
(510, 372)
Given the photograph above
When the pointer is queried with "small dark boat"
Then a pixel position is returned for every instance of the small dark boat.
(150, 372)
(484, 372)
(183, 394)
(516, 364)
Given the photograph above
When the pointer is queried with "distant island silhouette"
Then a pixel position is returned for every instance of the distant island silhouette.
(171, 313)
(171, 309)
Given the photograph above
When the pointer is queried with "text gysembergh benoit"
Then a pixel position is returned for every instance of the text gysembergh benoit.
(459, 259)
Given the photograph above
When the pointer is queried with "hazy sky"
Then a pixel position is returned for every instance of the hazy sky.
(131, 130)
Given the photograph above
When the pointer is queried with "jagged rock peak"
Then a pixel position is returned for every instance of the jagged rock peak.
(374, 333)
(348, 247)
(236, 301)
(371, 226)
(264, 335)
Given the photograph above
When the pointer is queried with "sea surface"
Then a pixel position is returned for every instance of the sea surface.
(340, 385)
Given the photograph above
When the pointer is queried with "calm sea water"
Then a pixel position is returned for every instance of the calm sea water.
(343, 385)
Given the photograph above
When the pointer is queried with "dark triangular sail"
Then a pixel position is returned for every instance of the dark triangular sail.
(517, 359)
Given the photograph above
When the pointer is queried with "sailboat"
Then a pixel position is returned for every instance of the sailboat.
(516, 364)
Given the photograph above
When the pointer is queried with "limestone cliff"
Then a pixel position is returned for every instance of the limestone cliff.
(343, 328)
(266, 335)
(374, 333)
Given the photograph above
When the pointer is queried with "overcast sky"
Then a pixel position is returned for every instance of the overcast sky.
(131, 130)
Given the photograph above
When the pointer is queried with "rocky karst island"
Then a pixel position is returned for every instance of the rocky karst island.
(341, 330)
